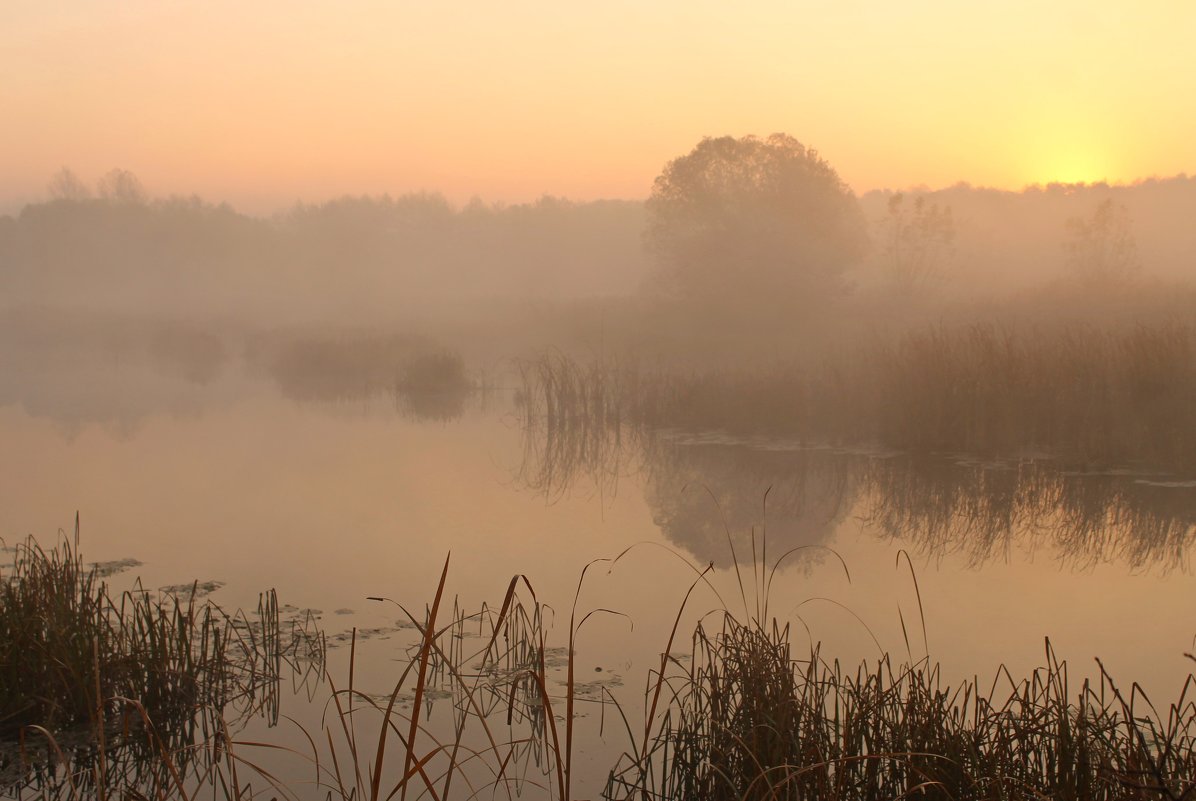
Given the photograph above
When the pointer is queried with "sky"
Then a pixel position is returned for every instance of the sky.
(269, 102)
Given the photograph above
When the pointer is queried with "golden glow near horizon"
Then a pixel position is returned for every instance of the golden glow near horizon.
(264, 103)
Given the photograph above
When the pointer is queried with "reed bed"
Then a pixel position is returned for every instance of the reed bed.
(337, 368)
(741, 719)
(1083, 395)
(440, 371)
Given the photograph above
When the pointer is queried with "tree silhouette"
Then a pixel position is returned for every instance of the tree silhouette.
(65, 185)
(122, 186)
(753, 221)
(918, 241)
(1101, 249)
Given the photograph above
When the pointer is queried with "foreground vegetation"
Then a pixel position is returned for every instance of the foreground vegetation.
(751, 722)
(104, 684)
(742, 718)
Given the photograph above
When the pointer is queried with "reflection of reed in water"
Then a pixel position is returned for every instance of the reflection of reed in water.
(573, 432)
(985, 510)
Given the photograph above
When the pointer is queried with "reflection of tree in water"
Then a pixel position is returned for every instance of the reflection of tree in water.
(426, 385)
(444, 406)
(703, 496)
(334, 368)
(702, 492)
(434, 387)
(985, 510)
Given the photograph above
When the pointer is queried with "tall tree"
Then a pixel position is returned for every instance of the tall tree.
(65, 185)
(753, 221)
(122, 186)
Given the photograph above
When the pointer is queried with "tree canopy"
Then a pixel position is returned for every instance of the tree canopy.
(753, 219)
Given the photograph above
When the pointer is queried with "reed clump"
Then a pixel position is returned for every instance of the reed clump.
(502, 734)
(751, 722)
(131, 680)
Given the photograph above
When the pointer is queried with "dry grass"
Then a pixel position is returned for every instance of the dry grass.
(1082, 395)
(103, 694)
(742, 719)
(751, 722)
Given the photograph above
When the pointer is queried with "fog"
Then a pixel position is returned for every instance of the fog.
(752, 368)
(1008, 240)
(418, 263)
(747, 251)
(353, 260)
(597, 400)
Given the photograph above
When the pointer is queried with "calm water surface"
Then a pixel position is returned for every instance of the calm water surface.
(225, 478)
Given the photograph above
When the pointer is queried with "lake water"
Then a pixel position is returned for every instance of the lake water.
(223, 477)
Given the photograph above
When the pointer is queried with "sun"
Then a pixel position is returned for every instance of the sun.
(1074, 168)
(1067, 155)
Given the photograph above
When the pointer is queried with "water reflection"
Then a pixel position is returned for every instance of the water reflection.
(330, 368)
(563, 456)
(425, 384)
(434, 407)
(175, 734)
(705, 489)
(116, 372)
(79, 369)
(701, 497)
(985, 510)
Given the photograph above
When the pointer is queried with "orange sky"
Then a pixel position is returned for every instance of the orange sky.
(265, 102)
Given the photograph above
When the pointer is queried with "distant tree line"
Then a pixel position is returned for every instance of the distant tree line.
(117, 247)
(763, 225)
(1091, 234)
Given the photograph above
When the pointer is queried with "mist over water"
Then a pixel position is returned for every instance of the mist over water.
(418, 262)
(571, 401)
(963, 406)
